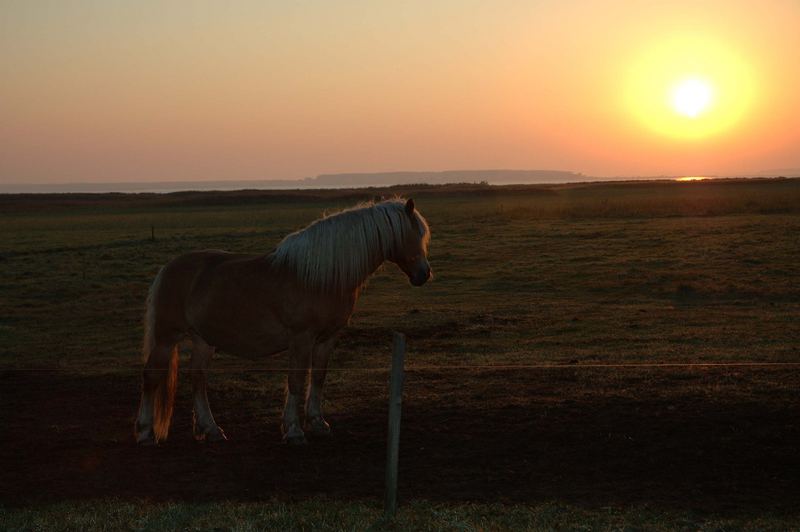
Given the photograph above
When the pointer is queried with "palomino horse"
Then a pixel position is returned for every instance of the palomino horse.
(296, 298)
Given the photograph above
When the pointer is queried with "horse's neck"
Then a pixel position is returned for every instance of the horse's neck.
(375, 262)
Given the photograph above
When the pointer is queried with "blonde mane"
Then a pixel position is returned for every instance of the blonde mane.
(338, 252)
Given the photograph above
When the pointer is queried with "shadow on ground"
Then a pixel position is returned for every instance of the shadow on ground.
(520, 437)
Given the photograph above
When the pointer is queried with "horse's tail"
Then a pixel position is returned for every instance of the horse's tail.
(164, 397)
(161, 367)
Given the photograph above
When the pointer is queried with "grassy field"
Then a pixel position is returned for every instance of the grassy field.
(571, 275)
(323, 514)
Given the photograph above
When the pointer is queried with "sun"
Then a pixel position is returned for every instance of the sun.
(692, 97)
(688, 87)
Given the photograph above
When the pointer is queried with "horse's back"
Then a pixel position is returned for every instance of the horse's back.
(171, 294)
(231, 300)
(242, 304)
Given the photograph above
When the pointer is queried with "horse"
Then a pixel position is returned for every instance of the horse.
(296, 298)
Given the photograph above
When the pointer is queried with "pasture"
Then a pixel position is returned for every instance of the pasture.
(525, 402)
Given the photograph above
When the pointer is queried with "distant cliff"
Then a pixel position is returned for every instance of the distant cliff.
(449, 176)
(353, 180)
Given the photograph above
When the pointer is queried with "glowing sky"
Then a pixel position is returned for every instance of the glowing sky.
(146, 91)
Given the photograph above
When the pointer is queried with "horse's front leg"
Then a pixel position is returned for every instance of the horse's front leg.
(204, 426)
(299, 363)
(315, 422)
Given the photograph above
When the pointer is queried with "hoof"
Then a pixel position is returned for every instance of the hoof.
(295, 441)
(145, 440)
(294, 436)
(213, 436)
(216, 436)
(318, 427)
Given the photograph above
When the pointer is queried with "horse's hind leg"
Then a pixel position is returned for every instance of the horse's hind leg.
(205, 428)
(299, 363)
(315, 422)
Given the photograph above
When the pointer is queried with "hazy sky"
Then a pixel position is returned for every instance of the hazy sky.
(134, 91)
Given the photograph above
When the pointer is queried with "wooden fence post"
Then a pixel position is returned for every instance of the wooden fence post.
(395, 404)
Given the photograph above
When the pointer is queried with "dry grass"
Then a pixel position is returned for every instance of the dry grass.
(322, 514)
(519, 278)
(581, 274)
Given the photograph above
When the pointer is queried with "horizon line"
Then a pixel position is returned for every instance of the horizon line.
(786, 172)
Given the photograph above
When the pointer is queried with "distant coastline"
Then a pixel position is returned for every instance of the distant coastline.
(343, 180)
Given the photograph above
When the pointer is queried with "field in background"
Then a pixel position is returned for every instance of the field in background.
(573, 275)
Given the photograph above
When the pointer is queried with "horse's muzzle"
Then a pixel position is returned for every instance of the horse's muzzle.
(421, 277)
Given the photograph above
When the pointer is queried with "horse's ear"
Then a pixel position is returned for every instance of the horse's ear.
(410, 207)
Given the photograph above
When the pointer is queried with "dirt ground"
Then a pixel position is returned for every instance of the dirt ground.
(704, 439)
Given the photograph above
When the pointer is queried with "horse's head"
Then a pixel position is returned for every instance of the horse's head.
(411, 253)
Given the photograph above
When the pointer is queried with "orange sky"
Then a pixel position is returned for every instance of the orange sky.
(154, 91)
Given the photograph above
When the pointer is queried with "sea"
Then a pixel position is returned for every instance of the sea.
(165, 187)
